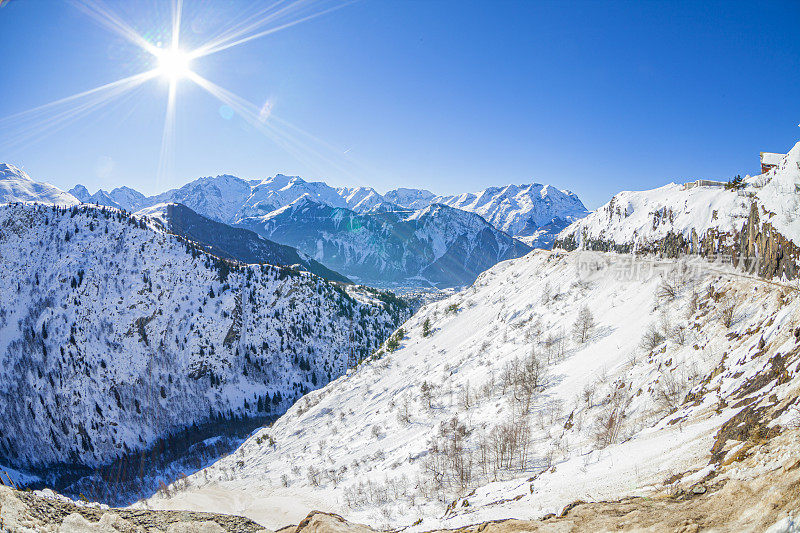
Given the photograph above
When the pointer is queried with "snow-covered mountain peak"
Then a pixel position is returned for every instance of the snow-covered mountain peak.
(81, 193)
(9, 171)
(17, 186)
(410, 198)
(360, 199)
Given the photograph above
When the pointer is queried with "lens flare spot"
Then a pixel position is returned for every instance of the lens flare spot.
(226, 112)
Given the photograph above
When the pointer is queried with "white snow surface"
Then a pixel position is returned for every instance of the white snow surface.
(17, 186)
(519, 209)
(360, 446)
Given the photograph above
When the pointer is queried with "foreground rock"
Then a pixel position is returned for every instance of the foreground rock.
(27, 512)
(770, 502)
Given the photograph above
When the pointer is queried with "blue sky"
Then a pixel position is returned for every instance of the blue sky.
(452, 96)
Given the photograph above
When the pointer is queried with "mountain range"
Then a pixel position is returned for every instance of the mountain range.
(518, 210)
(437, 245)
(406, 238)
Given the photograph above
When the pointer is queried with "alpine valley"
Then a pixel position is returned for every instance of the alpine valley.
(218, 357)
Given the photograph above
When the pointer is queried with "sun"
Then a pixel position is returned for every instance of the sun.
(173, 63)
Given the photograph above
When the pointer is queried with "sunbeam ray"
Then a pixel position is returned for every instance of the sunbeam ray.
(110, 20)
(130, 82)
(37, 123)
(166, 156)
(239, 37)
(283, 138)
(248, 23)
(177, 12)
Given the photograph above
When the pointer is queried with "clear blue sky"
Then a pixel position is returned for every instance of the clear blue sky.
(452, 96)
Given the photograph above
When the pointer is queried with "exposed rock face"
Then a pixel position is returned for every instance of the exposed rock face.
(757, 248)
(25, 512)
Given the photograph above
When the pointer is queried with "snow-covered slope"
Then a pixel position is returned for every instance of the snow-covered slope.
(116, 337)
(556, 377)
(219, 198)
(759, 223)
(520, 209)
(17, 186)
(228, 242)
(361, 199)
(229, 199)
(437, 245)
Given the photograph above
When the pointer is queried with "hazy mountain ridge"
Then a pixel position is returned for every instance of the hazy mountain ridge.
(435, 246)
(514, 209)
(229, 242)
(518, 209)
(538, 212)
(121, 198)
(121, 334)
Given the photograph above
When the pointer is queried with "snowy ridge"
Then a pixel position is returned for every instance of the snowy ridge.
(361, 199)
(17, 186)
(520, 209)
(410, 198)
(115, 334)
(601, 412)
(120, 198)
(234, 243)
(638, 219)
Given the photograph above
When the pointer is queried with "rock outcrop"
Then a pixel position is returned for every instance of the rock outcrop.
(25, 512)
(757, 248)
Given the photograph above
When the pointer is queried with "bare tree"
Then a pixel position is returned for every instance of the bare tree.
(404, 413)
(465, 397)
(426, 393)
(584, 325)
(667, 291)
(547, 293)
(678, 334)
(668, 391)
(727, 312)
(528, 380)
(608, 425)
(652, 338)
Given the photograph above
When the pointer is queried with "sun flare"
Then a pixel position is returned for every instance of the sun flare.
(173, 63)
